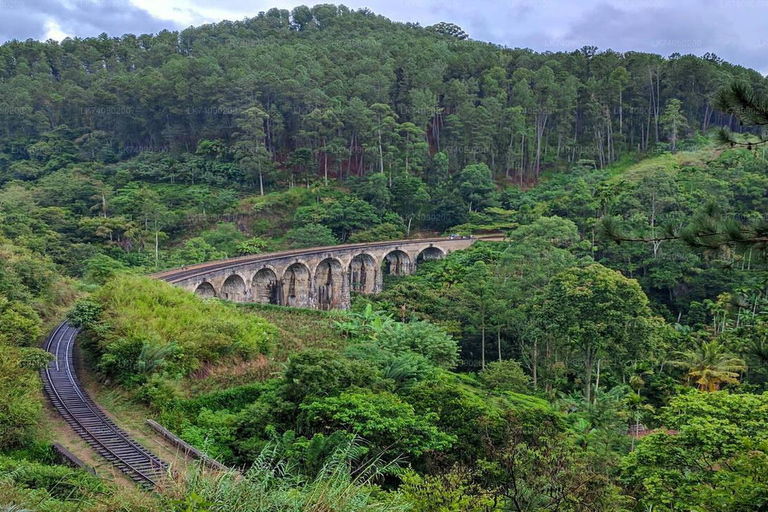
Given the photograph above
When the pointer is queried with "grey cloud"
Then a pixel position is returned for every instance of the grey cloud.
(22, 19)
(658, 26)
(655, 29)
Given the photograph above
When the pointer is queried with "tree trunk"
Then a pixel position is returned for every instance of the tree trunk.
(597, 379)
(498, 340)
(157, 246)
(482, 348)
(621, 113)
(261, 180)
(588, 376)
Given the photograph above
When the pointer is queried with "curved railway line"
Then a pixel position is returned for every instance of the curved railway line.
(179, 274)
(91, 423)
(88, 420)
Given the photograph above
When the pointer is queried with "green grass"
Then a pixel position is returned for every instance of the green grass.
(300, 329)
(296, 330)
(164, 328)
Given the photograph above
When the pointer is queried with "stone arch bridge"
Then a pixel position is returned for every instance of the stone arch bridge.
(320, 278)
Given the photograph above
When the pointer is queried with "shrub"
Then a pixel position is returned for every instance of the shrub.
(423, 338)
(382, 419)
(19, 323)
(323, 372)
(59, 481)
(85, 313)
(310, 235)
(149, 327)
(20, 406)
(505, 376)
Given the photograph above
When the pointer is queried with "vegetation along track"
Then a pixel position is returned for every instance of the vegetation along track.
(88, 420)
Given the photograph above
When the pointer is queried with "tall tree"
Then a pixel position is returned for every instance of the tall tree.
(673, 122)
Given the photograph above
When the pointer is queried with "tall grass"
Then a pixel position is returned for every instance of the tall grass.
(173, 330)
(272, 485)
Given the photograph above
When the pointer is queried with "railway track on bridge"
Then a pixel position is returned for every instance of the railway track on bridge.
(88, 420)
(178, 274)
(84, 415)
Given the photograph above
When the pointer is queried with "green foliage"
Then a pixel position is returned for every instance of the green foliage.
(85, 314)
(310, 235)
(252, 246)
(476, 186)
(505, 376)
(323, 372)
(462, 411)
(19, 323)
(212, 431)
(384, 231)
(343, 217)
(453, 491)
(198, 250)
(714, 459)
(419, 337)
(382, 419)
(396, 338)
(224, 238)
(148, 326)
(274, 483)
(101, 268)
(428, 131)
(20, 406)
(600, 315)
(58, 482)
(35, 359)
(710, 366)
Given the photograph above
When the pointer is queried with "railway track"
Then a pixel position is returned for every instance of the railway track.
(178, 274)
(88, 420)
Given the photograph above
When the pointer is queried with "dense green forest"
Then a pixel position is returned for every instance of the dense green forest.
(610, 354)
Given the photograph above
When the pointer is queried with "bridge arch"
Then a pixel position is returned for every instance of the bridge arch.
(206, 290)
(329, 276)
(429, 254)
(296, 285)
(265, 287)
(234, 289)
(301, 278)
(363, 273)
(396, 263)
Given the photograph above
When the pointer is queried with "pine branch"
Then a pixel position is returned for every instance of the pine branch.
(725, 137)
(739, 99)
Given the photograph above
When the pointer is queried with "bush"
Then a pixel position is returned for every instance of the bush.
(59, 481)
(422, 338)
(20, 406)
(462, 411)
(385, 231)
(382, 419)
(19, 324)
(505, 376)
(310, 235)
(323, 372)
(150, 327)
(85, 313)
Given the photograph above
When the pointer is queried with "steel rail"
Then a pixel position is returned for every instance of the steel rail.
(88, 420)
(92, 424)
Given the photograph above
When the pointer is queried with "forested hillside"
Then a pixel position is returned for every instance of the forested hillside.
(337, 93)
(610, 354)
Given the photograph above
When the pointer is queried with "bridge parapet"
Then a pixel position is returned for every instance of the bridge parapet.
(321, 277)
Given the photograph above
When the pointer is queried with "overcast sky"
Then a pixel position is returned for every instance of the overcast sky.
(733, 29)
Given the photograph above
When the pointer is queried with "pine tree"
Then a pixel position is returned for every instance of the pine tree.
(674, 122)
